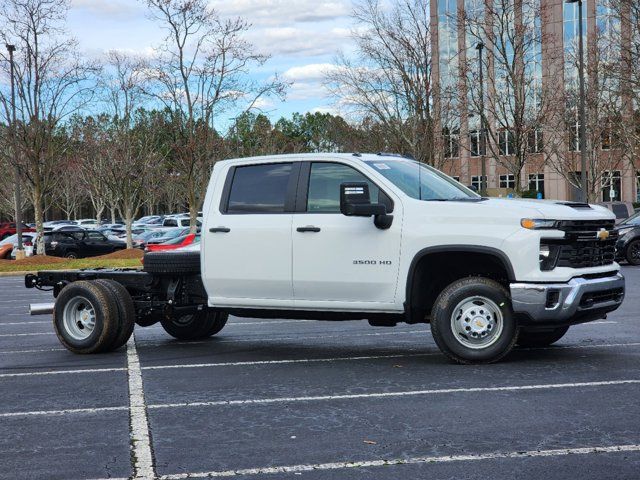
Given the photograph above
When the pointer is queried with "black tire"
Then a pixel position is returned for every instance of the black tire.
(105, 310)
(532, 338)
(192, 327)
(169, 263)
(72, 255)
(126, 311)
(632, 254)
(443, 314)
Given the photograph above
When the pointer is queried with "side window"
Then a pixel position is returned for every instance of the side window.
(259, 188)
(170, 222)
(324, 186)
(96, 236)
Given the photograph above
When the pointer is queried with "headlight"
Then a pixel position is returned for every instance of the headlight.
(537, 223)
(624, 231)
(548, 256)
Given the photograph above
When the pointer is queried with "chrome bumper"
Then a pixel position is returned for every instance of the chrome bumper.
(560, 302)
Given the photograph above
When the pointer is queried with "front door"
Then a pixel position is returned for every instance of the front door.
(246, 243)
(338, 261)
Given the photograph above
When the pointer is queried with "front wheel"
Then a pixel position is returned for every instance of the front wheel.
(633, 252)
(472, 321)
(195, 326)
(533, 338)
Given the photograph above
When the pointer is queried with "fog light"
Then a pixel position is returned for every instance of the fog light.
(548, 256)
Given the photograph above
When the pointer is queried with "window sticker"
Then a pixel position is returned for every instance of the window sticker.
(382, 166)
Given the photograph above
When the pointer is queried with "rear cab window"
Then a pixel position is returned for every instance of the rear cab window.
(258, 189)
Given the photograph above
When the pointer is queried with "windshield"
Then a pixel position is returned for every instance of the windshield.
(632, 220)
(422, 182)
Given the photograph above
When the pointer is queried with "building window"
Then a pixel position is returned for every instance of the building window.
(506, 142)
(476, 182)
(456, 178)
(611, 184)
(451, 142)
(536, 183)
(478, 148)
(508, 181)
(534, 141)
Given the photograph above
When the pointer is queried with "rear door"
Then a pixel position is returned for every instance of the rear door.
(342, 262)
(97, 244)
(246, 250)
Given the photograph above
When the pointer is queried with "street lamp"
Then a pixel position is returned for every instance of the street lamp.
(482, 144)
(16, 175)
(582, 110)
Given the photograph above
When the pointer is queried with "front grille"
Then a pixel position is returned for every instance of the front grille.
(594, 298)
(581, 247)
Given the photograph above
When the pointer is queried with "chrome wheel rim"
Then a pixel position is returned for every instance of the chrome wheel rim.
(477, 322)
(79, 318)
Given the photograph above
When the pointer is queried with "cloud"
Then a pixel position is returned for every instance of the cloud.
(294, 41)
(279, 12)
(108, 8)
(307, 80)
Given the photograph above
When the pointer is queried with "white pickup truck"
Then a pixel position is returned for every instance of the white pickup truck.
(358, 236)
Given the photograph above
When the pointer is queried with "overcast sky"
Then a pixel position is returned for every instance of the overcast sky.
(302, 37)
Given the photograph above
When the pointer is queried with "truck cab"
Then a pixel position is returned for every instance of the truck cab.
(387, 239)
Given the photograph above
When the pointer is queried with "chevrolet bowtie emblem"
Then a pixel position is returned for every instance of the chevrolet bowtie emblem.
(603, 234)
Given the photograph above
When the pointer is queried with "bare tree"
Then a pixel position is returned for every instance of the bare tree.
(201, 70)
(389, 79)
(130, 147)
(510, 107)
(52, 82)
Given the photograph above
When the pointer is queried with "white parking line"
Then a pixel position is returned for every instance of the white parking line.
(407, 461)
(61, 372)
(319, 398)
(406, 393)
(276, 362)
(141, 454)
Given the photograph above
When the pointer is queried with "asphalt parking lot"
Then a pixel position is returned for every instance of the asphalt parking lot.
(317, 400)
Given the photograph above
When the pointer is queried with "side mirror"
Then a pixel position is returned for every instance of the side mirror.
(355, 202)
(473, 187)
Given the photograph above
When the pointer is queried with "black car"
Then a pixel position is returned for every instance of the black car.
(628, 244)
(87, 243)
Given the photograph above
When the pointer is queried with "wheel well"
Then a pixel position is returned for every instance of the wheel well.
(432, 271)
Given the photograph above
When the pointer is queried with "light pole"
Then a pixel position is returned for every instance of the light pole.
(16, 174)
(482, 145)
(582, 111)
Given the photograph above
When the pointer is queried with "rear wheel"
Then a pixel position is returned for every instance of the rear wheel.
(533, 338)
(198, 325)
(472, 321)
(71, 255)
(126, 311)
(633, 252)
(85, 317)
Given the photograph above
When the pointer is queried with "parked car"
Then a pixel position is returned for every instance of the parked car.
(48, 226)
(9, 228)
(179, 221)
(67, 228)
(176, 243)
(628, 244)
(88, 223)
(12, 240)
(621, 210)
(89, 243)
(168, 234)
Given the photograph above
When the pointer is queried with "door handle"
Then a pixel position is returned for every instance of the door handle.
(308, 228)
(219, 230)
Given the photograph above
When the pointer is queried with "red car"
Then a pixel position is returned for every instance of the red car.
(175, 243)
(9, 228)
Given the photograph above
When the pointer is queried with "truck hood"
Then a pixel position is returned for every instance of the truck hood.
(548, 209)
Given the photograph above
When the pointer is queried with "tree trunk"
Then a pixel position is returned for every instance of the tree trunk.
(113, 213)
(39, 217)
(129, 214)
(99, 215)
